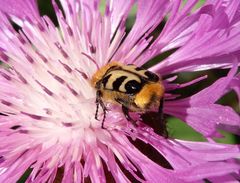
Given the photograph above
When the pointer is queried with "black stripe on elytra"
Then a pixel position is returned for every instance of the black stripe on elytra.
(105, 80)
(139, 69)
(151, 76)
(117, 83)
(133, 87)
(113, 68)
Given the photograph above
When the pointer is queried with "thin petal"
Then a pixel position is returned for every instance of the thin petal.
(208, 170)
(212, 44)
(178, 29)
(194, 157)
(20, 9)
(235, 85)
(119, 11)
(149, 15)
(200, 110)
(232, 178)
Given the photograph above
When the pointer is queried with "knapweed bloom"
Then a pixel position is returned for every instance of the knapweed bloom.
(47, 123)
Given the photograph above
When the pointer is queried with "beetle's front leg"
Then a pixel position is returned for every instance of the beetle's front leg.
(101, 103)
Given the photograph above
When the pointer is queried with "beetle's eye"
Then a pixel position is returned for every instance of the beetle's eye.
(133, 87)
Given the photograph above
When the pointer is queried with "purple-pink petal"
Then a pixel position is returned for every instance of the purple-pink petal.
(48, 107)
(213, 44)
(235, 85)
(225, 178)
(208, 170)
(176, 32)
(197, 158)
(149, 15)
(204, 118)
(20, 9)
(119, 11)
(200, 110)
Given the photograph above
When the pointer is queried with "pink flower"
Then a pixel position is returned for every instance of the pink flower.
(47, 105)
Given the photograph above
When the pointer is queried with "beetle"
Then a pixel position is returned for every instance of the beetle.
(134, 88)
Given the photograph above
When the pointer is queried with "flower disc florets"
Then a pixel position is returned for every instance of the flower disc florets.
(47, 104)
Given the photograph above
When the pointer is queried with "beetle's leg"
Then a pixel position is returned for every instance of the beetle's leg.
(160, 109)
(96, 113)
(99, 101)
(98, 98)
(104, 113)
(127, 116)
(162, 120)
(125, 111)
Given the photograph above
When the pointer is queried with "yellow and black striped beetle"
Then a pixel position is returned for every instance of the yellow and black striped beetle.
(134, 88)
